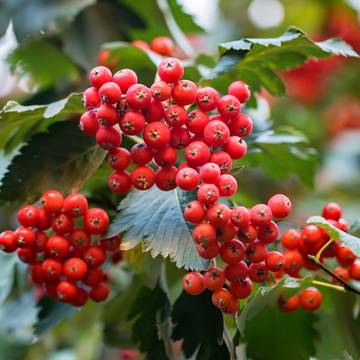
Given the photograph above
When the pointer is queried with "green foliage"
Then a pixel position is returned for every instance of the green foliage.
(49, 161)
(199, 324)
(336, 234)
(8, 267)
(155, 217)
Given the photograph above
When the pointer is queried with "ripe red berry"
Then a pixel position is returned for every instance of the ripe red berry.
(165, 178)
(268, 233)
(232, 251)
(354, 270)
(143, 177)
(236, 147)
(170, 70)
(94, 256)
(107, 115)
(184, 92)
(99, 292)
(258, 273)
(204, 233)
(111, 244)
(275, 261)
(162, 45)
(344, 255)
(57, 247)
(66, 291)
(342, 273)
(260, 214)
(52, 201)
(214, 278)
(240, 216)
(40, 241)
(75, 205)
(89, 123)
(81, 298)
(110, 92)
(311, 235)
(207, 99)
(141, 154)
(222, 299)
(222, 159)
(62, 224)
(8, 242)
(187, 179)
(241, 289)
(160, 90)
(179, 137)
(154, 111)
(332, 211)
(280, 206)
(99, 76)
(91, 98)
(28, 216)
(236, 272)
(293, 262)
(290, 239)
(208, 250)
(36, 273)
(165, 156)
(80, 238)
(141, 44)
(310, 299)
(138, 96)
(247, 234)
(24, 238)
(119, 158)
(132, 123)
(216, 133)
(197, 153)
(156, 135)
(125, 78)
(343, 225)
(194, 212)
(52, 269)
(241, 125)
(219, 215)
(196, 122)
(240, 90)
(120, 182)
(208, 194)
(228, 106)
(96, 221)
(193, 283)
(108, 138)
(290, 304)
(75, 269)
(227, 185)
(176, 115)
(94, 276)
(210, 173)
(256, 251)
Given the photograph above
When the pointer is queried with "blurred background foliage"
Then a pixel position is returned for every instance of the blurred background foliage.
(45, 53)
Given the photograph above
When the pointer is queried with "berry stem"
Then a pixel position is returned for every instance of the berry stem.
(346, 286)
(318, 255)
(326, 284)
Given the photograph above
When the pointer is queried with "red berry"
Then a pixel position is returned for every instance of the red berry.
(344, 255)
(125, 78)
(241, 289)
(165, 178)
(293, 262)
(40, 241)
(28, 216)
(280, 206)
(111, 244)
(120, 182)
(236, 272)
(57, 247)
(154, 111)
(89, 123)
(214, 279)
(240, 90)
(170, 70)
(256, 251)
(141, 154)
(160, 91)
(80, 238)
(247, 233)
(81, 298)
(258, 273)
(240, 216)
(156, 135)
(119, 158)
(196, 122)
(260, 214)
(110, 92)
(311, 235)
(204, 233)
(193, 283)
(236, 147)
(91, 98)
(107, 115)
(108, 138)
(275, 261)
(227, 185)
(99, 76)
(342, 273)
(132, 123)
(222, 159)
(228, 106)
(208, 194)
(194, 212)
(197, 153)
(62, 224)
(226, 232)
(138, 96)
(268, 233)
(8, 241)
(208, 250)
(176, 116)
(310, 299)
(232, 251)
(75, 269)
(207, 99)
(27, 256)
(241, 125)
(94, 276)
(96, 221)
(52, 269)
(291, 239)
(216, 133)
(187, 179)
(37, 276)
(210, 173)
(52, 201)
(179, 137)
(99, 292)
(24, 238)
(219, 215)
(162, 45)
(343, 225)
(143, 177)
(94, 256)
(332, 211)
(66, 291)
(144, 46)
(75, 205)
(289, 305)
(165, 156)
(354, 270)
(222, 299)
(184, 92)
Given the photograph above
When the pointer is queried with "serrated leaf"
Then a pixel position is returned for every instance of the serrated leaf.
(199, 324)
(62, 158)
(43, 62)
(267, 297)
(7, 264)
(350, 241)
(19, 122)
(156, 217)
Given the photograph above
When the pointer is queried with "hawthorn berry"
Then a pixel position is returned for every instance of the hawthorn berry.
(207, 99)
(293, 262)
(227, 185)
(142, 177)
(332, 211)
(240, 90)
(240, 216)
(91, 98)
(241, 289)
(52, 269)
(179, 137)
(258, 272)
(236, 272)
(27, 256)
(8, 241)
(176, 116)
(156, 135)
(107, 115)
(89, 123)
(204, 233)
(111, 244)
(75, 269)
(52, 201)
(216, 133)
(236, 147)
(194, 212)
(94, 256)
(268, 233)
(132, 123)
(290, 239)
(162, 45)
(187, 179)
(275, 261)
(170, 70)
(154, 111)
(222, 299)
(160, 90)
(256, 251)
(208, 250)
(310, 299)
(99, 76)
(232, 251)
(210, 173)
(141, 154)
(120, 182)
(223, 160)
(96, 221)
(80, 238)
(240, 125)
(193, 283)
(208, 194)
(280, 206)
(311, 235)
(94, 276)
(197, 153)
(138, 96)
(214, 278)
(108, 137)
(62, 224)
(260, 214)
(290, 304)
(110, 92)
(218, 214)
(354, 270)
(228, 106)
(165, 156)
(66, 291)
(196, 122)
(75, 205)
(28, 216)
(24, 238)
(184, 92)
(247, 233)
(119, 158)
(165, 178)
(125, 78)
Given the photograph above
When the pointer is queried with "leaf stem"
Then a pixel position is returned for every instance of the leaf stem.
(326, 284)
(319, 253)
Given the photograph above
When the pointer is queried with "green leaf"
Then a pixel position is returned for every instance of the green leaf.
(156, 217)
(257, 60)
(43, 62)
(18, 122)
(8, 267)
(62, 158)
(275, 335)
(336, 234)
(199, 324)
(355, 228)
(150, 311)
(267, 297)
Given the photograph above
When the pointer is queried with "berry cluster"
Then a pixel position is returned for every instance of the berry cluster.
(171, 116)
(247, 259)
(61, 241)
